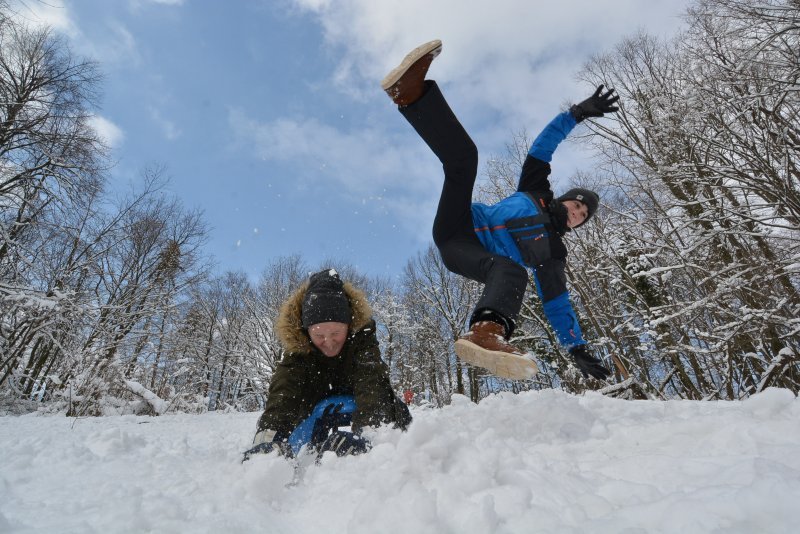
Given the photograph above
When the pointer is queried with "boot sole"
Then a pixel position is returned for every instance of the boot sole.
(502, 364)
(434, 47)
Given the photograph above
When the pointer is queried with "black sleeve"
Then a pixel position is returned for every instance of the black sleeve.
(286, 405)
(372, 389)
(534, 175)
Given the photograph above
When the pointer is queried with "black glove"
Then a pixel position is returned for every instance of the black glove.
(331, 419)
(402, 415)
(344, 443)
(588, 364)
(596, 105)
(278, 443)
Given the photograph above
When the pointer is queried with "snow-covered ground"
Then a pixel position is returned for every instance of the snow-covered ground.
(534, 462)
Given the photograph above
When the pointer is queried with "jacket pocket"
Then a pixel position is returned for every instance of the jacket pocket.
(532, 239)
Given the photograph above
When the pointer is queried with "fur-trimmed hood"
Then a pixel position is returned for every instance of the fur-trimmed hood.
(289, 326)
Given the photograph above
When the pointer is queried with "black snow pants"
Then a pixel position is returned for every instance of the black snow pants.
(453, 229)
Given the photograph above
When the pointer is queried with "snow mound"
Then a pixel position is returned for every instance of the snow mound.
(533, 462)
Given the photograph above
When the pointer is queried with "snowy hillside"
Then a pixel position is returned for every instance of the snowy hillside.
(534, 462)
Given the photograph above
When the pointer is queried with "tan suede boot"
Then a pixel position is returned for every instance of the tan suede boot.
(405, 84)
(485, 346)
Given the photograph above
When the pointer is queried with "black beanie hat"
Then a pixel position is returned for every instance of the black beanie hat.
(589, 198)
(325, 300)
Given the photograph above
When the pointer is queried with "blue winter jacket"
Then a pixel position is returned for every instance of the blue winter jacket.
(520, 227)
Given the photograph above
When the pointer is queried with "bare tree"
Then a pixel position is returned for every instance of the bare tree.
(702, 151)
(444, 303)
(48, 152)
(278, 280)
(50, 177)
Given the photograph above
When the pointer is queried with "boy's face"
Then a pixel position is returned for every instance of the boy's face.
(329, 337)
(577, 212)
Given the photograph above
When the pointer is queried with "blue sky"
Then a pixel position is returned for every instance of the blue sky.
(269, 117)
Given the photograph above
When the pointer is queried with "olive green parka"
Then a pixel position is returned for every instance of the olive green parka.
(305, 376)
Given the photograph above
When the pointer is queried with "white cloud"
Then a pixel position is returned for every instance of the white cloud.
(109, 132)
(53, 13)
(116, 45)
(137, 4)
(168, 128)
(363, 162)
(506, 65)
(502, 54)
(352, 166)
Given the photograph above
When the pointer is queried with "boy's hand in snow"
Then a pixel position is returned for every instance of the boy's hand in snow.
(344, 444)
(596, 105)
(267, 441)
(330, 419)
(588, 364)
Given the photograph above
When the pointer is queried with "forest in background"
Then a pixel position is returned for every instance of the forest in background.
(687, 283)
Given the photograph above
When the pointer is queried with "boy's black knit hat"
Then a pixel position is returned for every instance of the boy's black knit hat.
(325, 300)
(589, 198)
